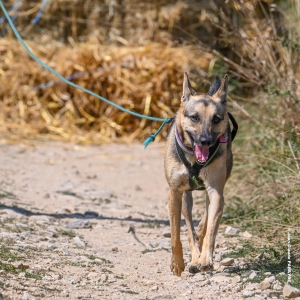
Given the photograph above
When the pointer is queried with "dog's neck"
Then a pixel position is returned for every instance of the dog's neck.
(183, 146)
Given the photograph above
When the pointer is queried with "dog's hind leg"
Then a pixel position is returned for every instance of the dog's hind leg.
(174, 203)
(201, 230)
(187, 205)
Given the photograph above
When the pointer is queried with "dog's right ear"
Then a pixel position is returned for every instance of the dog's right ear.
(187, 88)
(215, 85)
(221, 93)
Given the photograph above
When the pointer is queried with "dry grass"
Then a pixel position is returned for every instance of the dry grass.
(139, 79)
(137, 60)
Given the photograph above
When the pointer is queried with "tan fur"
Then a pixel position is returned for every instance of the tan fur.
(214, 176)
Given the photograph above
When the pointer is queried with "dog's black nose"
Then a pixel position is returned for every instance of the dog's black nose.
(206, 141)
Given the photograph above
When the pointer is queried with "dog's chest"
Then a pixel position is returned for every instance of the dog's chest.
(180, 177)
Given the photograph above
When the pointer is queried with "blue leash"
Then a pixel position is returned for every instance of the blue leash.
(146, 142)
(40, 12)
(2, 19)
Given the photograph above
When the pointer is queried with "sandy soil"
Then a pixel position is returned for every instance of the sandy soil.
(117, 194)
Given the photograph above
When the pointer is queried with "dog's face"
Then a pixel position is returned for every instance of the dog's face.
(203, 117)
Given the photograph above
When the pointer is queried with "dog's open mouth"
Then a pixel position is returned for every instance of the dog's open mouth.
(201, 153)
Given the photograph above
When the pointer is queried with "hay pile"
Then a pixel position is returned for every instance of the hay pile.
(146, 79)
(134, 53)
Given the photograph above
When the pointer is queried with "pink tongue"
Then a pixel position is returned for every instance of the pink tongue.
(201, 153)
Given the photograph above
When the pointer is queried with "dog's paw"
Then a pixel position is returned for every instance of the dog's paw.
(194, 269)
(205, 267)
(177, 265)
(200, 268)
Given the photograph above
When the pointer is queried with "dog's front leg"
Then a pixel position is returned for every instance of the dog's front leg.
(175, 201)
(187, 206)
(214, 211)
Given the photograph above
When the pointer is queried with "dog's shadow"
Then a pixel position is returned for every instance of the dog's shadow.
(85, 215)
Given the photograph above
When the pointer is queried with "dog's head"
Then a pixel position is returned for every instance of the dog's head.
(203, 117)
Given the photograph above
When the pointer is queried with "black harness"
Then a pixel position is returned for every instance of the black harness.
(195, 169)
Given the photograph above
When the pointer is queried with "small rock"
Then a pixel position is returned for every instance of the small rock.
(49, 233)
(227, 261)
(104, 277)
(65, 251)
(206, 282)
(248, 293)
(75, 280)
(47, 278)
(254, 267)
(154, 288)
(264, 285)
(65, 293)
(231, 230)
(251, 286)
(56, 276)
(217, 266)
(252, 275)
(246, 235)
(79, 224)
(40, 219)
(51, 246)
(270, 294)
(138, 188)
(236, 279)
(199, 277)
(131, 228)
(268, 273)
(92, 275)
(22, 275)
(277, 286)
(162, 296)
(11, 236)
(25, 296)
(166, 232)
(271, 279)
(220, 278)
(290, 292)
(165, 245)
(11, 214)
(78, 242)
(158, 270)
(115, 249)
(217, 257)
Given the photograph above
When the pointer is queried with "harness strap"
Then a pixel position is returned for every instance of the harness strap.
(235, 126)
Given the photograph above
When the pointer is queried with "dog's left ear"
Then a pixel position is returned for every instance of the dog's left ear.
(221, 93)
(187, 89)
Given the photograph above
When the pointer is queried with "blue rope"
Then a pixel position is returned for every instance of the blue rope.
(40, 12)
(149, 140)
(2, 19)
(152, 137)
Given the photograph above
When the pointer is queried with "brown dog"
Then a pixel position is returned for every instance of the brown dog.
(198, 156)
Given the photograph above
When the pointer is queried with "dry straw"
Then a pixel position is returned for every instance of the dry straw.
(134, 53)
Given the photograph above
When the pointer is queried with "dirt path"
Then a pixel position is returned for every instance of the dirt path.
(51, 190)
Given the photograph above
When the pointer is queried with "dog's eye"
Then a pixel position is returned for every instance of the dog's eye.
(216, 120)
(194, 118)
